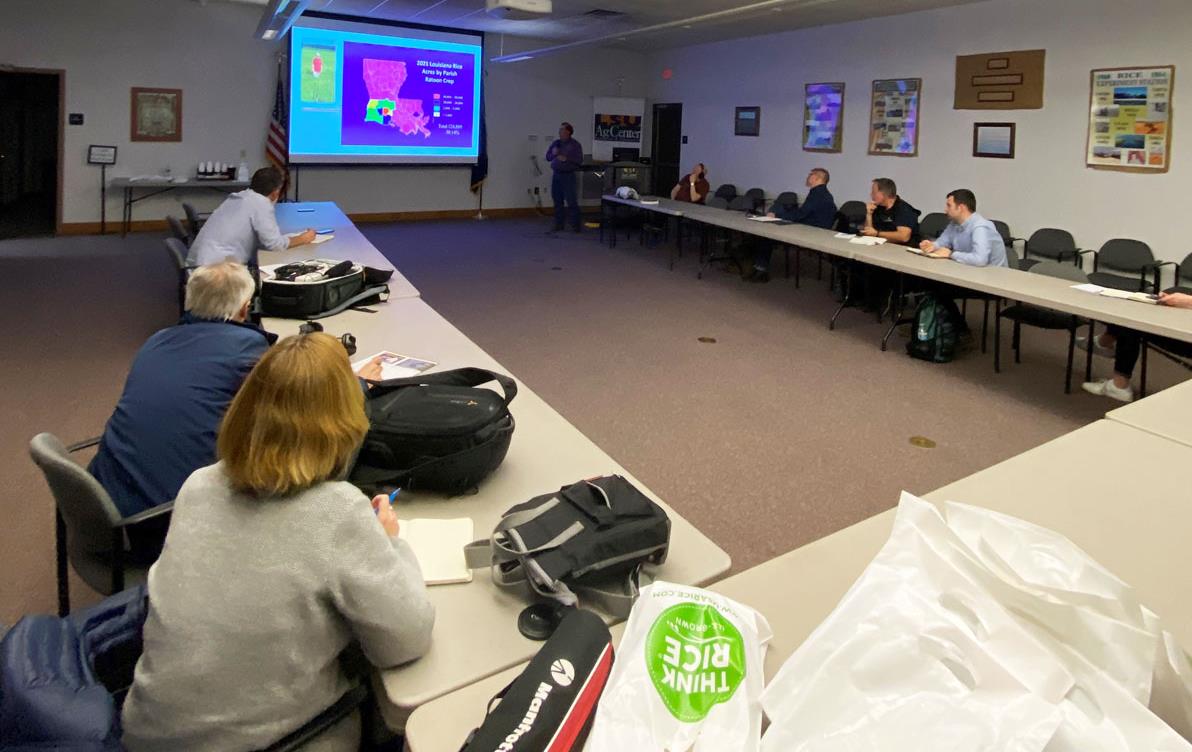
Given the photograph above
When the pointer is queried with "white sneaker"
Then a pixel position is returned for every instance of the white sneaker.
(1106, 388)
(1098, 348)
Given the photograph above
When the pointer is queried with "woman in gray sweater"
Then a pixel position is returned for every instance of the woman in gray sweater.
(271, 568)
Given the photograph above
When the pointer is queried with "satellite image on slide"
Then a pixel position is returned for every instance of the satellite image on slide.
(384, 79)
(318, 74)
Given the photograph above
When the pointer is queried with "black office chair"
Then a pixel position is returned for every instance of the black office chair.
(177, 230)
(720, 238)
(932, 225)
(850, 216)
(1182, 272)
(1125, 264)
(787, 200)
(1042, 318)
(743, 203)
(1003, 229)
(194, 219)
(728, 192)
(758, 196)
(177, 252)
(1049, 244)
(89, 529)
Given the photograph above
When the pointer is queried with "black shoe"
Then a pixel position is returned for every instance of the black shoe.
(759, 276)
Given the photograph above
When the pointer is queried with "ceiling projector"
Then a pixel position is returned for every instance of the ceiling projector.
(518, 10)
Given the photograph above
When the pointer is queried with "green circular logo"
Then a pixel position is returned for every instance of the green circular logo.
(696, 659)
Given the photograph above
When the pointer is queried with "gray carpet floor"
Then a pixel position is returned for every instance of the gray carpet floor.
(776, 434)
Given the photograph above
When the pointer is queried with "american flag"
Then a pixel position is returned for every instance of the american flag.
(275, 140)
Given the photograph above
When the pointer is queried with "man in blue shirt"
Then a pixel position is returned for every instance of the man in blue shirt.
(244, 223)
(970, 238)
(177, 391)
(566, 156)
(818, 210)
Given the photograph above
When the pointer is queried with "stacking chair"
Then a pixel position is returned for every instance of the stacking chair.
(744, 203)
(850, 216)
(787, 200)
(933, 225)
(719, 238)
(178, 251)
(758, 196)
(178, 231)
(1125, 264)
(89, 529)
(194, 219)
(1049, 244)
(1182, 273)
(728, 192)
(1042, 318)
(1003, 229)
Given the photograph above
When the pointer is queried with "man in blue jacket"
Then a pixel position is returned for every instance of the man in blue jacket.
(177, 391)
(565, 156)
(818, 210)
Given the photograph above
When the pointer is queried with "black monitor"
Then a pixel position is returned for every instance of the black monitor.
(625, 154)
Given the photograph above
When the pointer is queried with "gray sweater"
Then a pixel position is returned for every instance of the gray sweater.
(250, 605)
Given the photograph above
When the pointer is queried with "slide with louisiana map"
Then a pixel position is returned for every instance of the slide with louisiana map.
(373, 93)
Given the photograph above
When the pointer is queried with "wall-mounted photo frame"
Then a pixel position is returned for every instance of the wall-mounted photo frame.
(894, 117)
(156, 114)
(1130, 112)
(993, 140)
(747, 121)
(823, 117)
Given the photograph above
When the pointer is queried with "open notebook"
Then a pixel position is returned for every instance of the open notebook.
(439, 547)
(318, 238)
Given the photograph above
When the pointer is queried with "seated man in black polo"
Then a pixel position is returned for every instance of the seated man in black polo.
(1126, 345)
(818, 210)
(887, 216)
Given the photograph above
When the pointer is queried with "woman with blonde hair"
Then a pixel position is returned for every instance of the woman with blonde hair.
(272, 567)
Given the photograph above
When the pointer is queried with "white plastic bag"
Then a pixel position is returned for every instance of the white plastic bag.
(1063, 591)
(688, 676)
(916, 656)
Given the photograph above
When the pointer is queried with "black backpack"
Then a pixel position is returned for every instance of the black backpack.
(551, 704)
(435, 432)
(934, 335)
(593, 535)
(318, 288)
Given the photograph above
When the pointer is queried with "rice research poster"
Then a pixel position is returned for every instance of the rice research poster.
(1130, 119)
(823, 117)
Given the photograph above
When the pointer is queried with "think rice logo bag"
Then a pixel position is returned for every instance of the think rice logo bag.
(689, 676)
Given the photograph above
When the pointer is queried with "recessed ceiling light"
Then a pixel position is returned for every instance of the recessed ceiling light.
(269, 34)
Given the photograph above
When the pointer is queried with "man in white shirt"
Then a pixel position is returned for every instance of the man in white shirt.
(244, 222)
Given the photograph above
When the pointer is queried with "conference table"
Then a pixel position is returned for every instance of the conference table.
(1010, 284)
(1140, 537)
(347, 242)
(1167, 414)
(476, 633)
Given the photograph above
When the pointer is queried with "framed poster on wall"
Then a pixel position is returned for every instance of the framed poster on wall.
(823, 117)
(1130, 119)
(747, 121)
(894, 117)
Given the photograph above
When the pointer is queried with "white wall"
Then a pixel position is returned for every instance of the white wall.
(228, 82)
(1046, 184)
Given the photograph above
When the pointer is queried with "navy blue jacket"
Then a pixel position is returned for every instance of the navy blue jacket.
(818, 209)
(164, 426)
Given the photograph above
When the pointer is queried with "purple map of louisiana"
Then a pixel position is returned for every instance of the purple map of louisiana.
(383, 79)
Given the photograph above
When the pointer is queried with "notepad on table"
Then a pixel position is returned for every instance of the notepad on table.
(648, 201)
(1109, 292)
(867, 240)
(764, 218)
(318, 238)
(439, 547)
(844, 235)
(394, 366)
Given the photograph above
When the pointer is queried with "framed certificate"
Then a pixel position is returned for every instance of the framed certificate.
(894, 117)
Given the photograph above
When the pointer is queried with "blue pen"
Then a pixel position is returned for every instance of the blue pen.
(392, 495)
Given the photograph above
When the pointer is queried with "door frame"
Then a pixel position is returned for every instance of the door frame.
(60, 73)
(654, 141)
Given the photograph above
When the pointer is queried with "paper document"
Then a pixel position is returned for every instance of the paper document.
(764, 219)
(867, 240)
(318, 238)
(649, 201)
(1109, 292)
(844, 235)
(439, 547)
(394, 366)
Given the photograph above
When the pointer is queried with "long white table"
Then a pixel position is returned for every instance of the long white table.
(1141, 537)
(150, 188)
(476, 632)
(1167, 414)
(348, 242)
(1012, 284)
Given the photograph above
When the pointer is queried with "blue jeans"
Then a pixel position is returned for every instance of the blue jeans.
(563, 191)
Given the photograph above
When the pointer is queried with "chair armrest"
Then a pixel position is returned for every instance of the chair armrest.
(342, 708)
(1079, 254)
(148, 514)
(83, 444)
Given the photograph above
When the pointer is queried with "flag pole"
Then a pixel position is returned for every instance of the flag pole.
(480, 207)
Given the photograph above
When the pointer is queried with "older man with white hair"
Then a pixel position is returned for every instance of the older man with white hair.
(179, 386)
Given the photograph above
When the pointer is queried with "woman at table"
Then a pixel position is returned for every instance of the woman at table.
(1125, 345)
(272, 567)
(692, 187)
